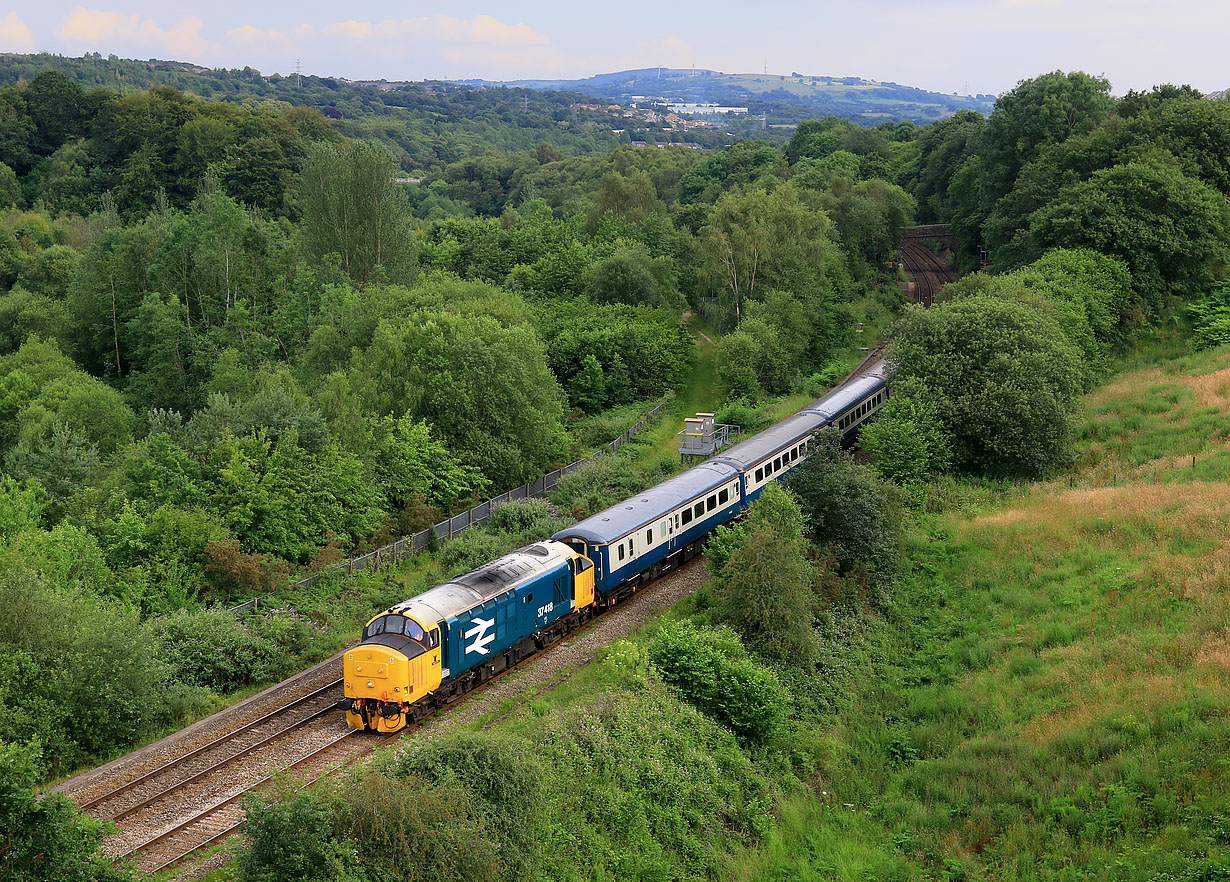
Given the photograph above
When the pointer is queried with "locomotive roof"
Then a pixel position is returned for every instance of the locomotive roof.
(646, 507)
(490, 580)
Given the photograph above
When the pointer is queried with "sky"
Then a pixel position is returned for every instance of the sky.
(964, 46)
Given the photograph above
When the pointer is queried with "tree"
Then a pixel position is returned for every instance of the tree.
(1172, 231)
(1044, 110)
(10, 190)
(588, 387)
(352, 207)
(1005, 380)
(411, 462)
(908, 442)
(765, 587)
(848, 510)
(45, 839)
(624, 277)
(756, 241)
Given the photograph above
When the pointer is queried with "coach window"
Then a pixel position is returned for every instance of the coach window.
(723, 496)
(777, 464)
(621, 551)
(649, 536)
(699, 509)
(687, 515)
(759, 475)
(711, 504)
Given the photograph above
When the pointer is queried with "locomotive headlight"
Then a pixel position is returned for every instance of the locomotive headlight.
(369, 684)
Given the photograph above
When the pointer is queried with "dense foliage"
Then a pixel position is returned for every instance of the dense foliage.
(240, 345)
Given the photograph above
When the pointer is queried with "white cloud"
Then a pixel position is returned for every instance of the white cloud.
(92, 28)
(14, 35)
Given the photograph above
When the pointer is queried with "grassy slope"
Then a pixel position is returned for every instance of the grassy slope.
(1051, 699)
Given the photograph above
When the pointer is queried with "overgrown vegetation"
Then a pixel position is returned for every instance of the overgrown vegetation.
(204, 388)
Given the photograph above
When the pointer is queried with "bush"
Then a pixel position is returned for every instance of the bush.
(765, 591)
(746, 415)
(210, 647)
(712, 671)
(46, 838)
(848, 509)
(295, 837)
(77, 673)
(504, 778)
(600, 483)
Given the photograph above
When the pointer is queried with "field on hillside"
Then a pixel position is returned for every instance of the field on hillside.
(1051, 701)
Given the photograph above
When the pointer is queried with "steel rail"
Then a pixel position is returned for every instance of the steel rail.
(217, 742)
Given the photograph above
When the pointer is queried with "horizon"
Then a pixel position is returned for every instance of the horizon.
(1132, 43)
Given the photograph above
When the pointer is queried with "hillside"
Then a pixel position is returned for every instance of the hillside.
(785, 99)
(428, 125)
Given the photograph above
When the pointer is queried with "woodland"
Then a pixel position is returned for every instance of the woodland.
(235, 347)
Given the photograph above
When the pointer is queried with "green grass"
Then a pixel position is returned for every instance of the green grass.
(1048, 695)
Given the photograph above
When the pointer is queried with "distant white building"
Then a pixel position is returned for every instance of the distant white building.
(706, 109)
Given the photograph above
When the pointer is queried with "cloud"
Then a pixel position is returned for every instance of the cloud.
(93, 27)
(14, 35)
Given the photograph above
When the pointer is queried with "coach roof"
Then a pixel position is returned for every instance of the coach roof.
(656, 502)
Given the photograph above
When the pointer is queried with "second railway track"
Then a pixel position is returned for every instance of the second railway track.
(928, 271)
(186, 805)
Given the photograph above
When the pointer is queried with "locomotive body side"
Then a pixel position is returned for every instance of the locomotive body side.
(440, 643)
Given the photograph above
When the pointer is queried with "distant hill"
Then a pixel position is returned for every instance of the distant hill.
(428, 125)
(785, 99)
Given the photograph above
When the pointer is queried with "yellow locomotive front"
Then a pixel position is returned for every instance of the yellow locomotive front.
(395, 666)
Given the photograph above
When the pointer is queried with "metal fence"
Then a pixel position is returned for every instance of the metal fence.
(458, 523)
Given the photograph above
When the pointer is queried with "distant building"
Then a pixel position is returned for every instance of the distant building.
(706, 109)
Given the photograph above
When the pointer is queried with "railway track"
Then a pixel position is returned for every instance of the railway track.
(928, 271)
(217, 822)
(191, 804)
(211, 757)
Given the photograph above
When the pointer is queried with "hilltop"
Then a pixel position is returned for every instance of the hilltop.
(785, 99)
(427, 124)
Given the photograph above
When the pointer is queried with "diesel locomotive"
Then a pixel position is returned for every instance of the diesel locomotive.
(433, 648)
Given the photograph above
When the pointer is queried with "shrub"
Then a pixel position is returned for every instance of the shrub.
(295, 837)
(848, 509)
(210, 647)
(407, 829)
(600, 483)
(45, 838)
(503, 777)
(712, 671)
(236, 572)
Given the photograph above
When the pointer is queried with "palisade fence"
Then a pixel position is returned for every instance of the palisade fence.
(458, 523)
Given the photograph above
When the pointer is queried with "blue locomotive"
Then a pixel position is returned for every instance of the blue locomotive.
(434, 647)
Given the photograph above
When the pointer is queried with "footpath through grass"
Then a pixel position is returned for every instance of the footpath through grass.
(1051, 697)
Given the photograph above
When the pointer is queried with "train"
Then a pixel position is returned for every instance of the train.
(430, 650)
